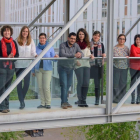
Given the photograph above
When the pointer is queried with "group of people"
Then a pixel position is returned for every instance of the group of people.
(121, 66)
(77, 46)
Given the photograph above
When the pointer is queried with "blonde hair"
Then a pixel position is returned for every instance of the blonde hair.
(20, 38)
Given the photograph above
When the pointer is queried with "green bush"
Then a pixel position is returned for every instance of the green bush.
(112, 131)
(11, 136)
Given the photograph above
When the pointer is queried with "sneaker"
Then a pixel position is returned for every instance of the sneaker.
(64, 106)
(68, 105)
(41, 106)
(8, 110)
(4, 111)
(48, 107)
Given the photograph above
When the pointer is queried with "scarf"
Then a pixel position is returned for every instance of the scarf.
(82, 45)
(4, 41)
(42, 46)
(99, 52)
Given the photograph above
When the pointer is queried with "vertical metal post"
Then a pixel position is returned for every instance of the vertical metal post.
(66, 17)
(109, 90)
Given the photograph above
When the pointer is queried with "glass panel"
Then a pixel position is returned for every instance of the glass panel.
(46, 86)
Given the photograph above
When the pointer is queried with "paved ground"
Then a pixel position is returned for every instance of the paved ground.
(56, 134)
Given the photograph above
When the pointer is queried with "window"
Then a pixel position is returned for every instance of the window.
(85, 26)
(138, 8)
(125, 7)
(104, 8)
(93, 27)
(85, 12)
(102, 32)
(118, 28)
(123, 27)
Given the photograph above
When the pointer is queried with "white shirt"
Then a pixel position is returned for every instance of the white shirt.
(25, 51)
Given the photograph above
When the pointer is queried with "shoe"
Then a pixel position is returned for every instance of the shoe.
(85, 104)
(133, 99)
(76, 102)
(68, 105)
(4, 111)
(8, 110)
(64, 106)
(22, 105)
(41, 106)
(80, 104)
(48, 107)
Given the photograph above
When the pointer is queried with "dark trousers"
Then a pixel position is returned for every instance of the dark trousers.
(96, 74)
(119, 83)
(22, 90)
(83, 77)
(6, 76)
(135, 74)
(65, 78)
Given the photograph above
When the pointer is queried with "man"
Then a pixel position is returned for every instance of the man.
(67, 49)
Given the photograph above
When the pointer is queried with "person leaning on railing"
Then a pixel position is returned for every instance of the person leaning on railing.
(82, 67)
(27, 48)
(135, 67)
(97, 50)
(120, 69)
(8, 49)
(43, 72)
(69, 49)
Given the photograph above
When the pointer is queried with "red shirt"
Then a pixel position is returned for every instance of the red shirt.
(135, 63)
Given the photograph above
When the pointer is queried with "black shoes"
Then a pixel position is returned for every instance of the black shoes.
(22, 105)
(41, 106)
(47, 106)
(82, 104)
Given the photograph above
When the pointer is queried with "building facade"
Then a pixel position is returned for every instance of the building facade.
(2, 10)
(126, 12)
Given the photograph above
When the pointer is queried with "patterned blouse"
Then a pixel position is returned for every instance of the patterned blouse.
(120, 52)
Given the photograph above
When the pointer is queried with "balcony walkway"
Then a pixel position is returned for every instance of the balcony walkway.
(33, 118)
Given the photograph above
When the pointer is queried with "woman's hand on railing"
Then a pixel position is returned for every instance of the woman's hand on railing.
(56, 56)
(103, 55)
(127, 56)
(91, 57)
(11, 55)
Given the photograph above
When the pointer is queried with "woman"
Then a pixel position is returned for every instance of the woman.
(8, 49)
(135, 67)
(97, 50)
(43, 72)
(120, 69)
(26, 47)
(82, 67)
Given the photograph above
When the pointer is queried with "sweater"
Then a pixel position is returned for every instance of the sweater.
(135, 52)
(84, 63)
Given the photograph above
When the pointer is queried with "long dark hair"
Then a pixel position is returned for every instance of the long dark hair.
(136, 36)
(86, 39)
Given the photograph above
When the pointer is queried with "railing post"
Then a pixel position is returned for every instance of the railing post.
(109, 91)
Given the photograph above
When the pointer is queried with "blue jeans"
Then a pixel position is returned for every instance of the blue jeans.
(65, 78)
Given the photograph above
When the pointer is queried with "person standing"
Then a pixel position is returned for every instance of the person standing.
(135, 67)
(120, 69)
(97, 50)
(43, 72)
(27, 48)
(82, 67)
(8, 49)
(69, 49)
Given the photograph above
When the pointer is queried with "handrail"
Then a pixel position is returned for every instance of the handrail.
(64, 58)
(18, 80)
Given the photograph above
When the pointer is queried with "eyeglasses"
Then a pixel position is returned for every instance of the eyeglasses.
(121, 38)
